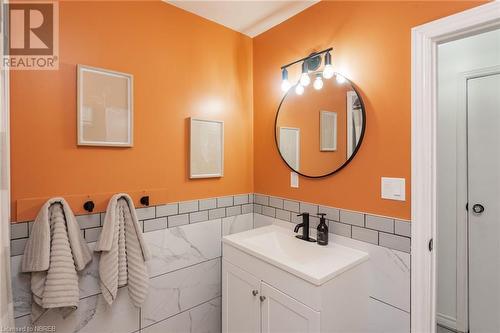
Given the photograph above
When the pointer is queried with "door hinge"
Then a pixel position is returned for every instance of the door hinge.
(430, 245)
(467, 206)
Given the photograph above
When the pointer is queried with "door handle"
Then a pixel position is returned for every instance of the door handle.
(255, 292)
(262, 298)
(478, 208)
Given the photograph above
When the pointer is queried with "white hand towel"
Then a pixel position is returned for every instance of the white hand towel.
(123, 252)
(53, 254)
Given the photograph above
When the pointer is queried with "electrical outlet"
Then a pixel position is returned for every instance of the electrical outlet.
(294, 179)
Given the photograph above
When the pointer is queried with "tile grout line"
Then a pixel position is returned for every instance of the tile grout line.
(189, 266)
(364, 218)
(150, 278)
(320, 205)
(181, 312)
(389, 304)
(351, 233)
(251, 199)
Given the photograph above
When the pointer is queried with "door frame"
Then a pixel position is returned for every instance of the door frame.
(425, 39)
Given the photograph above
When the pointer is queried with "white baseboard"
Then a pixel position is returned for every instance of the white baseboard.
(446, 321)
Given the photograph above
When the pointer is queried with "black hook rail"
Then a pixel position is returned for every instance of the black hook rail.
(145, 200)
(89, 206)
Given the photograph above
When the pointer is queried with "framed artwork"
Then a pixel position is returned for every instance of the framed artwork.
(105, 112)
(206, 148)
(290, 146)
(328, 131)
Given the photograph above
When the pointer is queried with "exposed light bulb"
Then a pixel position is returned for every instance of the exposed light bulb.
(328, 70)
(318, 83)
(305, 79)
(299, 89)
(340, 79)
(285, 85)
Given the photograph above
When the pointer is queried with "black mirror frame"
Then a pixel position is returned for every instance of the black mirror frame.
(361, 137)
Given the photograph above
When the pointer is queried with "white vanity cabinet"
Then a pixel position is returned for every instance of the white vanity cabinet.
(282, 313)
(274, 283)
(251, 305)
(241, 300)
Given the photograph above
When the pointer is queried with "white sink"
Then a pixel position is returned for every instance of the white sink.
(309, 261)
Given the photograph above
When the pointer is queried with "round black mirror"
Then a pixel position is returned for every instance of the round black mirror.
(319, 131)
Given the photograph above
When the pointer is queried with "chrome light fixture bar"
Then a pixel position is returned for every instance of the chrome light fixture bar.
(309, 64)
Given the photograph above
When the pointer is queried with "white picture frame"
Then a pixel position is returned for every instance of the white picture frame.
(206, 157)
(328, 131)
(105, 108)
(290, 146)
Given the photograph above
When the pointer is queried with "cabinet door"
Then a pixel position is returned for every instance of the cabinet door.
(281, 313)
(240, 300)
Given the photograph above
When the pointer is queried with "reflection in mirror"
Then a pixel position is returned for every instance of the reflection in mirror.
(290, 146)
(354, 121)
(319, 131)
(328, 130)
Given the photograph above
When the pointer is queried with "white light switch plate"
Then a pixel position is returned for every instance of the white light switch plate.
(393, 188)
(294, 179)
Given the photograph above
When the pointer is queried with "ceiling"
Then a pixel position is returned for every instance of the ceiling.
(248, 17)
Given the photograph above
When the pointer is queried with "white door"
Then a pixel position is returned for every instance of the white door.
(283, 314)
(483, 116)
(290, 146)
(240, 300)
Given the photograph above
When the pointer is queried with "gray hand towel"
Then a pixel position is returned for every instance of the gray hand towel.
(123, 252)
(53, 254)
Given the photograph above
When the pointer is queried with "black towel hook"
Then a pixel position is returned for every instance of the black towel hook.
(145, 200)
(89, 206)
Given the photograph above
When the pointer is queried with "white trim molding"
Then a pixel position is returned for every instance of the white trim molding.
(6, 299)
(446, 321)
(425, 39)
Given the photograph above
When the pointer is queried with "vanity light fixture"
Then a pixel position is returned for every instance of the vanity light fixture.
(304, 77)
(285, 84)
(318, 82)
(328, 70)
(299, 89)
(310, 66)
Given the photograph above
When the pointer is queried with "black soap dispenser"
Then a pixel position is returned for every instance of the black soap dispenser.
(322, 238)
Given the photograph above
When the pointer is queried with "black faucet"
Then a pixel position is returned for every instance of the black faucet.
(305, 228)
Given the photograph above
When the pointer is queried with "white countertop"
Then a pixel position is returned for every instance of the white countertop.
(309, 261)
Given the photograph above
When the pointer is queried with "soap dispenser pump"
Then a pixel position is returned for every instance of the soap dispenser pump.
(322, 237)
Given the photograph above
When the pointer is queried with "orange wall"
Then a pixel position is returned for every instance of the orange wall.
(182, 65)
(372, 42)
(186, 66)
